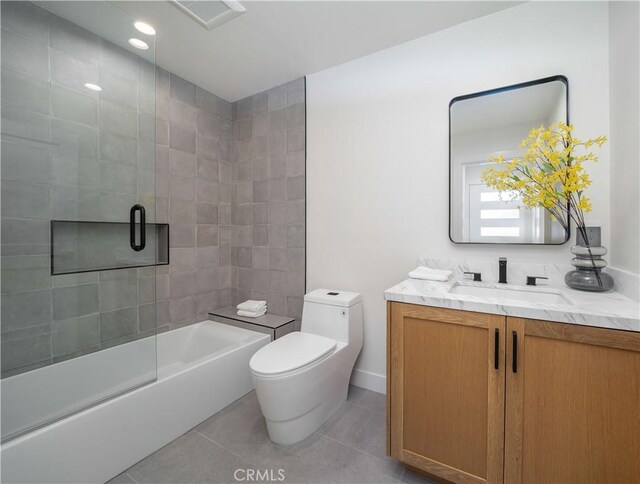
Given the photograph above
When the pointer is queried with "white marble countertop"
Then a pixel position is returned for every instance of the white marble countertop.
(605, 310)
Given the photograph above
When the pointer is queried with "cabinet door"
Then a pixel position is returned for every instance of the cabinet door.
(573, 404)
(446, 388)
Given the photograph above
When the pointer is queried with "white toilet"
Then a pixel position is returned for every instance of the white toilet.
(303, 377)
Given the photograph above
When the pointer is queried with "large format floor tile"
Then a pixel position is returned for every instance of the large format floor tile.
(190, 458)
(349, 448)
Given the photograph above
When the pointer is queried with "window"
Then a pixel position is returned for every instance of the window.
(500, 231)
(501, 213)
(496, 217)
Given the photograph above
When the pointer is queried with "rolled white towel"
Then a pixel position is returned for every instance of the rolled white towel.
(429, 274)
(252, 314)
(251, 305)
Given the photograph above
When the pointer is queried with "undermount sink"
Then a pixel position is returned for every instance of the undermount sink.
(547, 296)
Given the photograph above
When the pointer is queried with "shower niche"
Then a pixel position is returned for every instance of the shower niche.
(79, 246)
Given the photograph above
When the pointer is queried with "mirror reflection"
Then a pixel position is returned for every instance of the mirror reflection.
(493, 123)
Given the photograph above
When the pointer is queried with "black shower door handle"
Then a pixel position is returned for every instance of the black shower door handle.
(132, 227)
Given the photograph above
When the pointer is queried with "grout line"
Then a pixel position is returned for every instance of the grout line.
(244, 460)
(218, 444)
(129, 476)
(365, 407)
(362, 451)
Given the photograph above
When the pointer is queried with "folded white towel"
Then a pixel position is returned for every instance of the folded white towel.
(252, 314)
(251, 305)
(429, 274)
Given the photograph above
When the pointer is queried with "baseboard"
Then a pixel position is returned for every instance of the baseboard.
(369, 380)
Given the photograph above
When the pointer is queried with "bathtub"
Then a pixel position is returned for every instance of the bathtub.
(201, 369)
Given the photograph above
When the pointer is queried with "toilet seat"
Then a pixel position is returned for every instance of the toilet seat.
(291, 352)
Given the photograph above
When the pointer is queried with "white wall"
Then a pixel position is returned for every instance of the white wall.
(624, 28)
(377, 147)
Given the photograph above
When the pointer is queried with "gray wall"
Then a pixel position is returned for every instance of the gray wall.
(268, 203)
(193, 189)
(229, 179)
(69, 153)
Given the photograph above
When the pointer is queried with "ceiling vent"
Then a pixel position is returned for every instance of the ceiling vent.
(210, 13)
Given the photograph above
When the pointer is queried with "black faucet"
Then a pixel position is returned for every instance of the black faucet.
(531, 280)
(502, 264)
(477, 276)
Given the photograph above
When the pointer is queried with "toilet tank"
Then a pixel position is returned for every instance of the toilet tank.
(334, 314)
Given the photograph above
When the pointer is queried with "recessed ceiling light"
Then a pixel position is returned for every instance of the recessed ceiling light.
(93, 87)
(139, 44)
(144, 27)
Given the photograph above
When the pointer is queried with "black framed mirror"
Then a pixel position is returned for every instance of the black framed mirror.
(493, 123)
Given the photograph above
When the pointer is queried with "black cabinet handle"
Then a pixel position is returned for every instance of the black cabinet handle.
(496, 349)
(514, 354)
(132, 227)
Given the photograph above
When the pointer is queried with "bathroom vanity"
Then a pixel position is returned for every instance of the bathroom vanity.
(495, 383)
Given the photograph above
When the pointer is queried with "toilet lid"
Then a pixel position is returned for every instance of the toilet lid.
(290, 352)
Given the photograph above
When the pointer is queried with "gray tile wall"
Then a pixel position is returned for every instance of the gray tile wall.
(193, 190)
(69, 153)
(229, 178)
(268, 199)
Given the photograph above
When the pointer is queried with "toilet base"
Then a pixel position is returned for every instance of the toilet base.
(292, 431)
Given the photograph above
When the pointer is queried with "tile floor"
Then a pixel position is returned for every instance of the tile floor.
(349, 448)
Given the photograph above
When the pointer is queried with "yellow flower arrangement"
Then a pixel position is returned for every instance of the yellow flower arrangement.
(549, 174)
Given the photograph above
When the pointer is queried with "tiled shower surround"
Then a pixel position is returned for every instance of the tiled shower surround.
(229, 181)
(193, 190)
(268, 205)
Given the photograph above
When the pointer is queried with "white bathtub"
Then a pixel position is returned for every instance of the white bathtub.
(202, 368)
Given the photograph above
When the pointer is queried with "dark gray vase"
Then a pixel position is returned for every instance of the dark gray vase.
(589, 263)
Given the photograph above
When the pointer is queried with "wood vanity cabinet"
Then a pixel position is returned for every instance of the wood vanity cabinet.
(478, 398)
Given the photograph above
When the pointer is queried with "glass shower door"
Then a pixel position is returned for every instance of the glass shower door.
(79, 240)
